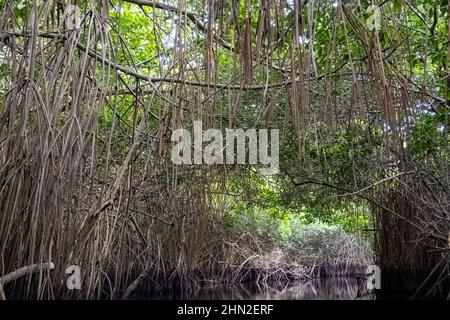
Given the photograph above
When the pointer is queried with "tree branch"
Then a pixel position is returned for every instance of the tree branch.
(191, 16)
(362, 196)
(25, 271)
(21, 272)
(131, 72)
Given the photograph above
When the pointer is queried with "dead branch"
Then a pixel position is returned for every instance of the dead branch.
(19, 273)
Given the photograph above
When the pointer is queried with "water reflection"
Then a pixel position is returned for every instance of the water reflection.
(317, 289)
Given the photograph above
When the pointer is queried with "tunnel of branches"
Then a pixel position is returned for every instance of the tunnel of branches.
(91, 91)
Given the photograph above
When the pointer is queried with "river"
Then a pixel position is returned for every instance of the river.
(343, 288)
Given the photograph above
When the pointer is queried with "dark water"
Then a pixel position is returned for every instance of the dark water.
(317, 289)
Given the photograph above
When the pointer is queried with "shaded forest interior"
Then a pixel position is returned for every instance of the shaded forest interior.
(92, 91)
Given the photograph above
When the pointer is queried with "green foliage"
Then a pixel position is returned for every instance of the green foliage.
(325, 244)
(430, 134)
(261, 208)
(315, 236)
(136, 30)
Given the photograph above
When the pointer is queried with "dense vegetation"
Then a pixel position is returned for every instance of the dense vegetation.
(91, 93)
